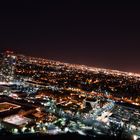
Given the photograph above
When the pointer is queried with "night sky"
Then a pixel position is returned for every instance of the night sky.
(104, 35)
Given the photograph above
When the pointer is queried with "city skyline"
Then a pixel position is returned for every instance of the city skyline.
(45, 97)
(69, 70)
(72, 64)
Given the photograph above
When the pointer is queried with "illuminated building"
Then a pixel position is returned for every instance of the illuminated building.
(16, 121)
(8, 66)
(7, 108)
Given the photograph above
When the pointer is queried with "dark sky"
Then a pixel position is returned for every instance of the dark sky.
(104, 35)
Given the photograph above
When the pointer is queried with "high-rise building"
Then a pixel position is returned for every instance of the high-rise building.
(8, 66)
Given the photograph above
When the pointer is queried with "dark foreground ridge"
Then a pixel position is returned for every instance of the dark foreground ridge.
(56, 137)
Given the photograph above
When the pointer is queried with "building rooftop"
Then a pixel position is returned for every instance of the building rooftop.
(17, 120)
(6, 106)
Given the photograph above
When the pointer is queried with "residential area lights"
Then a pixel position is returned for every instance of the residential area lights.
(50, 97)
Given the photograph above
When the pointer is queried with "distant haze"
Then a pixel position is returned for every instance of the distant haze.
(105, 36)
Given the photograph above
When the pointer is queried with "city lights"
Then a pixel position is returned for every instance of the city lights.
(50, 97)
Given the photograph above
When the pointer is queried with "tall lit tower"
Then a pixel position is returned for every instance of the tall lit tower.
(8, 66)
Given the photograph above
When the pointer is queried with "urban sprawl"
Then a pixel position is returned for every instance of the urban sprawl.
(49, 97)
